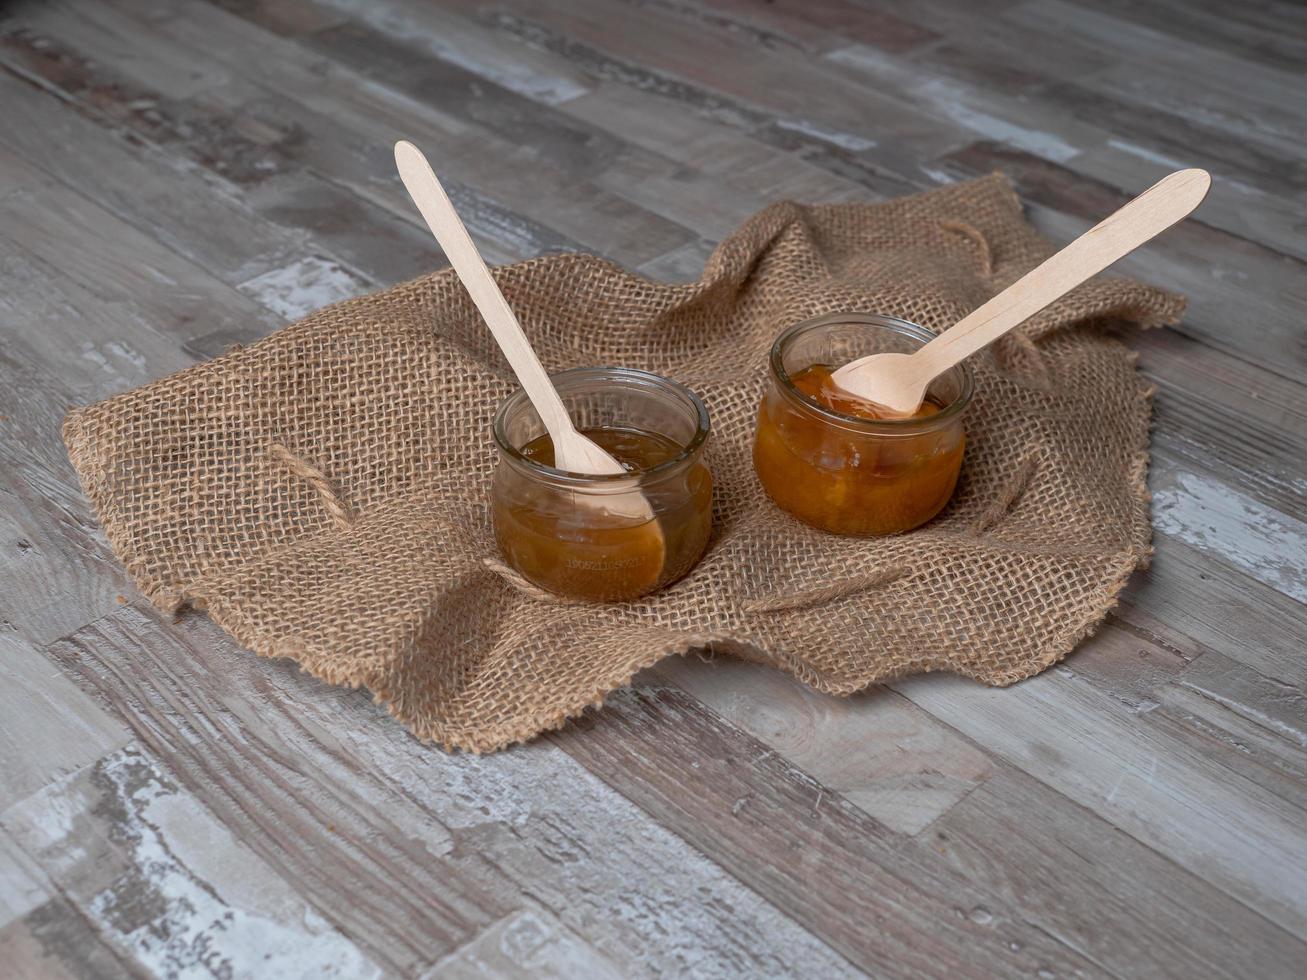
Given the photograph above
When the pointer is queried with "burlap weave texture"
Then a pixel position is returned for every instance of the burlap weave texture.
(323, 493)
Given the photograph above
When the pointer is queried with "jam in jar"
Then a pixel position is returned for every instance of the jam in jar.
(832, 459)
(605, 538)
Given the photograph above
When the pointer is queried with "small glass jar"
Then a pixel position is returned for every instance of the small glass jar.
(575, 534)
(847, 474)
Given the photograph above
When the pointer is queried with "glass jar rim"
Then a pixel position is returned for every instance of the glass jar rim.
(605, 481)
(883, 426)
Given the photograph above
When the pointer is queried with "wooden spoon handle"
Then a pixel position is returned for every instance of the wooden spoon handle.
(445, 224)
(1149, 214)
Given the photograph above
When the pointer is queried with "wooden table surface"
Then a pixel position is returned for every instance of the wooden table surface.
(177, 176)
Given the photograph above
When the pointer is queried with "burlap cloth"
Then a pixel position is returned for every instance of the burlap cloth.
(323, 492)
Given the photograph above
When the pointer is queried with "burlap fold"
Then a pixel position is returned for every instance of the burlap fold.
(323, 492)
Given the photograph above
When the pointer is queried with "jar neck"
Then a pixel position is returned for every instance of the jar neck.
(602, 398)
(906, 336)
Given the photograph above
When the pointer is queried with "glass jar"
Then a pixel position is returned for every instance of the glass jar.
(578, 534)
(844, 473)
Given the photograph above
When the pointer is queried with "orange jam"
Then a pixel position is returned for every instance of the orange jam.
(583, 544)
(851, 479)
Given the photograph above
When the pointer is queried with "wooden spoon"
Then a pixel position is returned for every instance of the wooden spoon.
(572, 450)
(898, 382)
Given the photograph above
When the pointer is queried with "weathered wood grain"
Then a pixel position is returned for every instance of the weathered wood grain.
(881, 753)
(822, 859)
(410, 852)
(194, 213)
(527, 943)
(55, 232)
(22, 883)
(1232, 527)
(1162, 789)
(243, 153)
(50, 729)
(1243, 98)
(55, 568)
(449, 37)
(1241, 209)
(327, 95)
(1252, 32)
(167, 886)
(1133, 912)
(1256, 725)
(812, 27)
(1225, 610)
(56, 941)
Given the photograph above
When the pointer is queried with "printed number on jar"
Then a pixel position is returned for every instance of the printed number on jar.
(594, 537)
(829, 458)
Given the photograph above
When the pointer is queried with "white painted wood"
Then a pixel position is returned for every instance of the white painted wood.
(1216, 519)
(319, 779)
(531, 944)
(305, 285)
(166, 884)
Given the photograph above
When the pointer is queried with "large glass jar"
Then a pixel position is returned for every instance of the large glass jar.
(593, 537)
(847, 473)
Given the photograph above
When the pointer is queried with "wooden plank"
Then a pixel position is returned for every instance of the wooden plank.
(410, 851)
(740, 160)
(721, 76)
(807, 26)
(684, 264)
(281, 17)
(120, 269)
(1221, 273)
(1270, 219)
(165, 884)
(1250, 32)
(823, 861)
(1069, 123)
(529, 943)
(878, 751)
(1130, 662)
(56, 571)
(974, 112)
(1216, 519)
(56, 942)
(1118, 902)
(1215, 412)
(23, 886)
(445, 35)
(50, 728)
(192, 212)
(648, 179)
(245, 152)
(1251, 724)
(375, 241)
(1223, 609)
(1245, 99)
(295, 218)
(1161, 789)
(345, 125)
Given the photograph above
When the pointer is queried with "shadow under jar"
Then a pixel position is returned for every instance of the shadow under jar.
(571, 533)
(824, 457)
